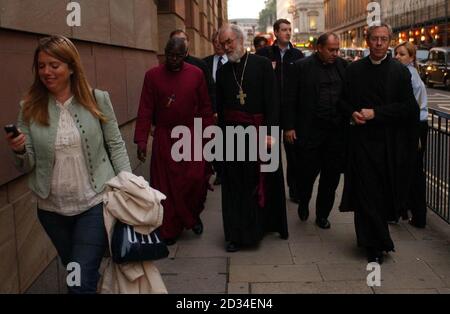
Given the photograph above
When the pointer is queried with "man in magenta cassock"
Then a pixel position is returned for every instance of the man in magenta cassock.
(174, 94)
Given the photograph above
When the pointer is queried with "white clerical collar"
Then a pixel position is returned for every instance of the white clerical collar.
(374, 62)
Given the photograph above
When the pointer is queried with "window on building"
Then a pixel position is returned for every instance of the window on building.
(440, 57)
(313, 17)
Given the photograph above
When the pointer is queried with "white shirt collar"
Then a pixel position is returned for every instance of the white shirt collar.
(224, 58)
(379, 61)
(66, 103)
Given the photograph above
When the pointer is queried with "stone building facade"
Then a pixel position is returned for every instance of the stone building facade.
(424, 22)
(118, 42)
(307, 17)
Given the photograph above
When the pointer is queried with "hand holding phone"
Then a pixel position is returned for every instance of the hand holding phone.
(11, 128)
(16, 140)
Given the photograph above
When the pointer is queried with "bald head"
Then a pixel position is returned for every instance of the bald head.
(175, 51)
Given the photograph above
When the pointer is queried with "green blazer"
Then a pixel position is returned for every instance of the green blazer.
(39, 158)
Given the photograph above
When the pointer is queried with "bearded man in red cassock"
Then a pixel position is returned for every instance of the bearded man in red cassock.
(173, 95)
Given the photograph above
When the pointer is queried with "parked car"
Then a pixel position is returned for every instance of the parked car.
(307, 52)
(422, 58)
(437, 68)
(347, 54)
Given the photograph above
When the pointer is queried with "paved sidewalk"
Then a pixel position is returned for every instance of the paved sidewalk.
(311, 261)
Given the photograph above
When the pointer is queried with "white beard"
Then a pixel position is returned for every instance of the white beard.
(236, 55)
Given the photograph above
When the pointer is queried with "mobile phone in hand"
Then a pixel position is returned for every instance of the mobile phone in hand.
(11, 128)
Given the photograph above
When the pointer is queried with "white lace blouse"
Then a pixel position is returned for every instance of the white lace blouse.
(70, 193)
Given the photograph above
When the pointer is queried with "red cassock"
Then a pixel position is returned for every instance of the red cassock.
(171, 99)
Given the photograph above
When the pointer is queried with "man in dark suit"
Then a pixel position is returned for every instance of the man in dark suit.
(315, 127)
(260, 42)
(214, 63)
(283, 55)
(218, 59)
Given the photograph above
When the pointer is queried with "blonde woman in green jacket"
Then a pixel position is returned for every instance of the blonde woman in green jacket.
(70, 145)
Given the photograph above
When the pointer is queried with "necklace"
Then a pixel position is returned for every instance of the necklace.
(241, 95)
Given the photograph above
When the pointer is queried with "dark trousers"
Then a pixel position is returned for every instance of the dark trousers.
(321, 154)
(418, 201)
(79, 239)
(291, 170)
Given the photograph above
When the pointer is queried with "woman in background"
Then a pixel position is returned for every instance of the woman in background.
(406, 54)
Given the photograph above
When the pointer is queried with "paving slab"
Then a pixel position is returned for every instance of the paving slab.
(238, 288)
(275, 273)
(305, 253)
(196, 284)
(409, 275)
(429, 251)
(442, 270)
(408, 291)
(329, 287)
(268, 253)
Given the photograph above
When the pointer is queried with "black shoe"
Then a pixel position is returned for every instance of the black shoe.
(323, 223)
(217, 181)
(374, 256)
(232, 247)
(284, 235)
(170, 242)
(198, 228)
(303, 213)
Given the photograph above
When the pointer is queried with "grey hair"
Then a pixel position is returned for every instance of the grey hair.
(235, 29)
(372, 28)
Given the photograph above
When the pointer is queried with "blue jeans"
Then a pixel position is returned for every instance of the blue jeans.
(80, 239)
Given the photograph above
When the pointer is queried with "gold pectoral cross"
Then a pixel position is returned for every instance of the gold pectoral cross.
(241, 97)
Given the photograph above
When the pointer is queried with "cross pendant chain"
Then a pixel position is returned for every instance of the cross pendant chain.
(171, 100)
(241, 95)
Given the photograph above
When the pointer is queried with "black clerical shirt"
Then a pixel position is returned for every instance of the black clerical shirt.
(330, 87)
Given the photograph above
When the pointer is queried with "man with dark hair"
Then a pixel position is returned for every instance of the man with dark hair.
(253, 202)
(260, 42)
(282, 54)
(178, 33)
(173, 95)
(314, 125)
(214, 63)
(383, 124)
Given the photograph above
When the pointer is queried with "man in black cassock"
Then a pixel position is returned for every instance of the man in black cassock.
(383, 115)
(252, 203)
(314, 126)
(283, 54)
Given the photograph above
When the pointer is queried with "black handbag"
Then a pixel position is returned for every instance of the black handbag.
(128, 246)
